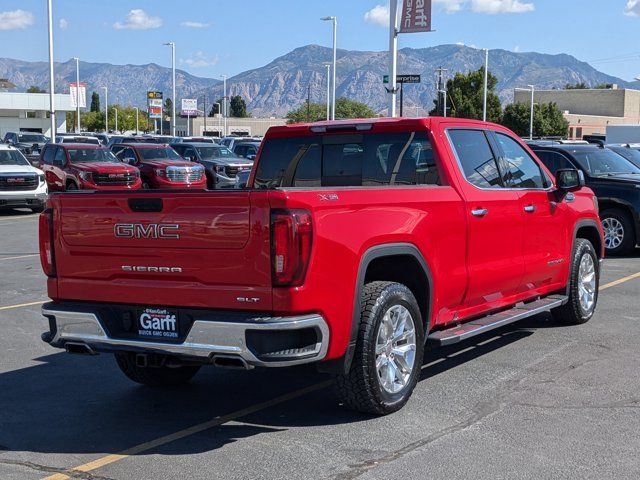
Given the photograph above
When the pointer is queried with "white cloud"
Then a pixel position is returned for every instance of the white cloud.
(138, 19)
(516, 49)
(15, 19)
(190, 24)
(63, 24)
(378, 15)
(501, 6)
(633, 8)
(199, 60)
(450, 6)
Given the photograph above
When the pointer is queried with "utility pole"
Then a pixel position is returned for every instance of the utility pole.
(52, 105)
(137, 122)
(328, 65)
(224, 104)
(77, 94)
(106, 109)
(401, 99)
(204, 130)
(309, 102)
(486, 84)
(116, 110)
(393, 55)
(532, 105)
(442, 90)
(334, 21)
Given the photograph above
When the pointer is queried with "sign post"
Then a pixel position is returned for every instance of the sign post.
(154, 106)
(189, 109)
(402, 79)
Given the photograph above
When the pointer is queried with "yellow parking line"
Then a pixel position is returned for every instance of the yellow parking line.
(20, 305)
(21, 256)
(618, 282)
(158, 442)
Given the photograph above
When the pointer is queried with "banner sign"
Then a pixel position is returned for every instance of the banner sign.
(154, 104)
(416, 16)
(403, 79)
(78, 95)
(189, 107)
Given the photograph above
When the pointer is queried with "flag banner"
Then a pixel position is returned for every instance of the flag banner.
(78, 95)
(416, 16)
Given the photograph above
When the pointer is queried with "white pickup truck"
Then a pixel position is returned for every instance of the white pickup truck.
(21, 185)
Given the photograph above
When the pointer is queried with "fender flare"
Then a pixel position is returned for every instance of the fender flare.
(342, 365)
(581, 224)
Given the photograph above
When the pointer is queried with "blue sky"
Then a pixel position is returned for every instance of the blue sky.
(216, 37)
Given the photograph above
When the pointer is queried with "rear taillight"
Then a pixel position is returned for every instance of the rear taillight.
(45, 232)
(291, 238)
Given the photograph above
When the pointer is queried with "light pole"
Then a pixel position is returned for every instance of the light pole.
(531, 121)
(106, 109)
(224, 103)
(173, 99)
(77, 93)
(52, 106)
(486, 84)
(137, 123)
(334, 20)
(116, 110)
(328, 65)
(220, 113)
(393, 55)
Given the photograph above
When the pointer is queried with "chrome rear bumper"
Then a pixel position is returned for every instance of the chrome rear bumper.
(206, 339)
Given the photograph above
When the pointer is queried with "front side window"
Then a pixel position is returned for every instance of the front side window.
(519, 170)
(48, 155)
(476, 158)
(60, 157)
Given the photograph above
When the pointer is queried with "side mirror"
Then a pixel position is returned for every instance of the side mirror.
(569, 179)
(130, 160)
(251, 156)
(193, 158)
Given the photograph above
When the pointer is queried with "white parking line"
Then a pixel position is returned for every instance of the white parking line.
(19, 256)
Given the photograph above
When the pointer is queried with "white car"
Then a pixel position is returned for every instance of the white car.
(21, 185)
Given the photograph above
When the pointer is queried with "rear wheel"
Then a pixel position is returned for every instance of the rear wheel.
(71, 186)
(145, 185)
(619, 235)
(389, 350)
(155, 376)
(583, 289)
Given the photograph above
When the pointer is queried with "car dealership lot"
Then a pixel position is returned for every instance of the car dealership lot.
(533, 400)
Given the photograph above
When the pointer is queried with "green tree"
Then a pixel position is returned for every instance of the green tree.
(548, 120)
(345, 109)
(577, 86)
(34, 89)
(238, 107)
(95, 102)
(466, 96)
(168, 107)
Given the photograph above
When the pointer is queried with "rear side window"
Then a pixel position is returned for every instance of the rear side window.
(554, 161)
(519, 170)
(476, 158)
(348, 161)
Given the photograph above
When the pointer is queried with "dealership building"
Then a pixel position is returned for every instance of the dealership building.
(218, 126)
(589, 111)
(29, 112)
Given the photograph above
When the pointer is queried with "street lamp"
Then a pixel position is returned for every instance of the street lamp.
(77, 93)
(173, 99)
(328, 65)
(532, 89)
(52, 106)
(224, 103)
(219, 113)
(106, 109)
(116, 127)
(137, 124)
(486, 85)
(334, 20)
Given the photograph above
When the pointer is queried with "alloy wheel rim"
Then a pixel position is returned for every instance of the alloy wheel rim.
(587, 283)
(395, 349)
(613, 232)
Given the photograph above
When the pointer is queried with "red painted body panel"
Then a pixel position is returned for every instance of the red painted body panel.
(477, 264)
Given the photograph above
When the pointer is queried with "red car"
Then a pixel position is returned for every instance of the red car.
(85, 166)
(355, 244)
(160, 166)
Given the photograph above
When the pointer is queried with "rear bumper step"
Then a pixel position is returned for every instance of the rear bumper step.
(481, 325)
(257, 342)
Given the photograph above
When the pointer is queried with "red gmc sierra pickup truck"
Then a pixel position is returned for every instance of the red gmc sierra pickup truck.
(355, 245)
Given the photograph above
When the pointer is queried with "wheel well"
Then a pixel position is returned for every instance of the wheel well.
(69, 182)
(616, 206)
(404, 269)
(591, 234)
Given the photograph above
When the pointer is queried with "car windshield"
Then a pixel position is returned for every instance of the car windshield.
(603, 162)
(629, 153)
(215, 152)
(158, 154)
(31, 138)
(12, 157)
(91, 155)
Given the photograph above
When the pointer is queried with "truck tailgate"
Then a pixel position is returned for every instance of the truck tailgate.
(203, 249)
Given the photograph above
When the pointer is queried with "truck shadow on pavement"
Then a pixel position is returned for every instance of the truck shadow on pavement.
(70, 404)
(12, 212)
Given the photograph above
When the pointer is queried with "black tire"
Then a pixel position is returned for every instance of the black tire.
(145, 185)
(162, 376)
(361, 388)
(71, 186)
(628, 243)
(573, 312)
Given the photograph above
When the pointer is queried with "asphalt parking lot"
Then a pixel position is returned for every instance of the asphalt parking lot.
(534, 400)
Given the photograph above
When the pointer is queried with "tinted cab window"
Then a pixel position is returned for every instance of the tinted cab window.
(476, 158)
(518, 169)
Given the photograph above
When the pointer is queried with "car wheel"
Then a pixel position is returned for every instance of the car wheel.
(154, 376)
(145, 185)
(619, 235)
(71, 186)
(389, 349)
(583, 287)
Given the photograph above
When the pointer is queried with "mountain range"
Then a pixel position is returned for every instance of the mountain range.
(286, 82)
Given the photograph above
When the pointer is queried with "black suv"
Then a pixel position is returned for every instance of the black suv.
(614, 180)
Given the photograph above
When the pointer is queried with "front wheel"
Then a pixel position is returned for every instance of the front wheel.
(389, 351)
(155, 376)
(583, 288)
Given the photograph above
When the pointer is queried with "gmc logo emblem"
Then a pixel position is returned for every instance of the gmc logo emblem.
(15, 180)
(163, 231)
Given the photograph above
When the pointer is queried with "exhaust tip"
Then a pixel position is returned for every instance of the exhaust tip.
(79, 348)
(230, 361)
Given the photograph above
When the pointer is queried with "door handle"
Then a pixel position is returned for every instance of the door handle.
(479, 212)
(530, 208)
